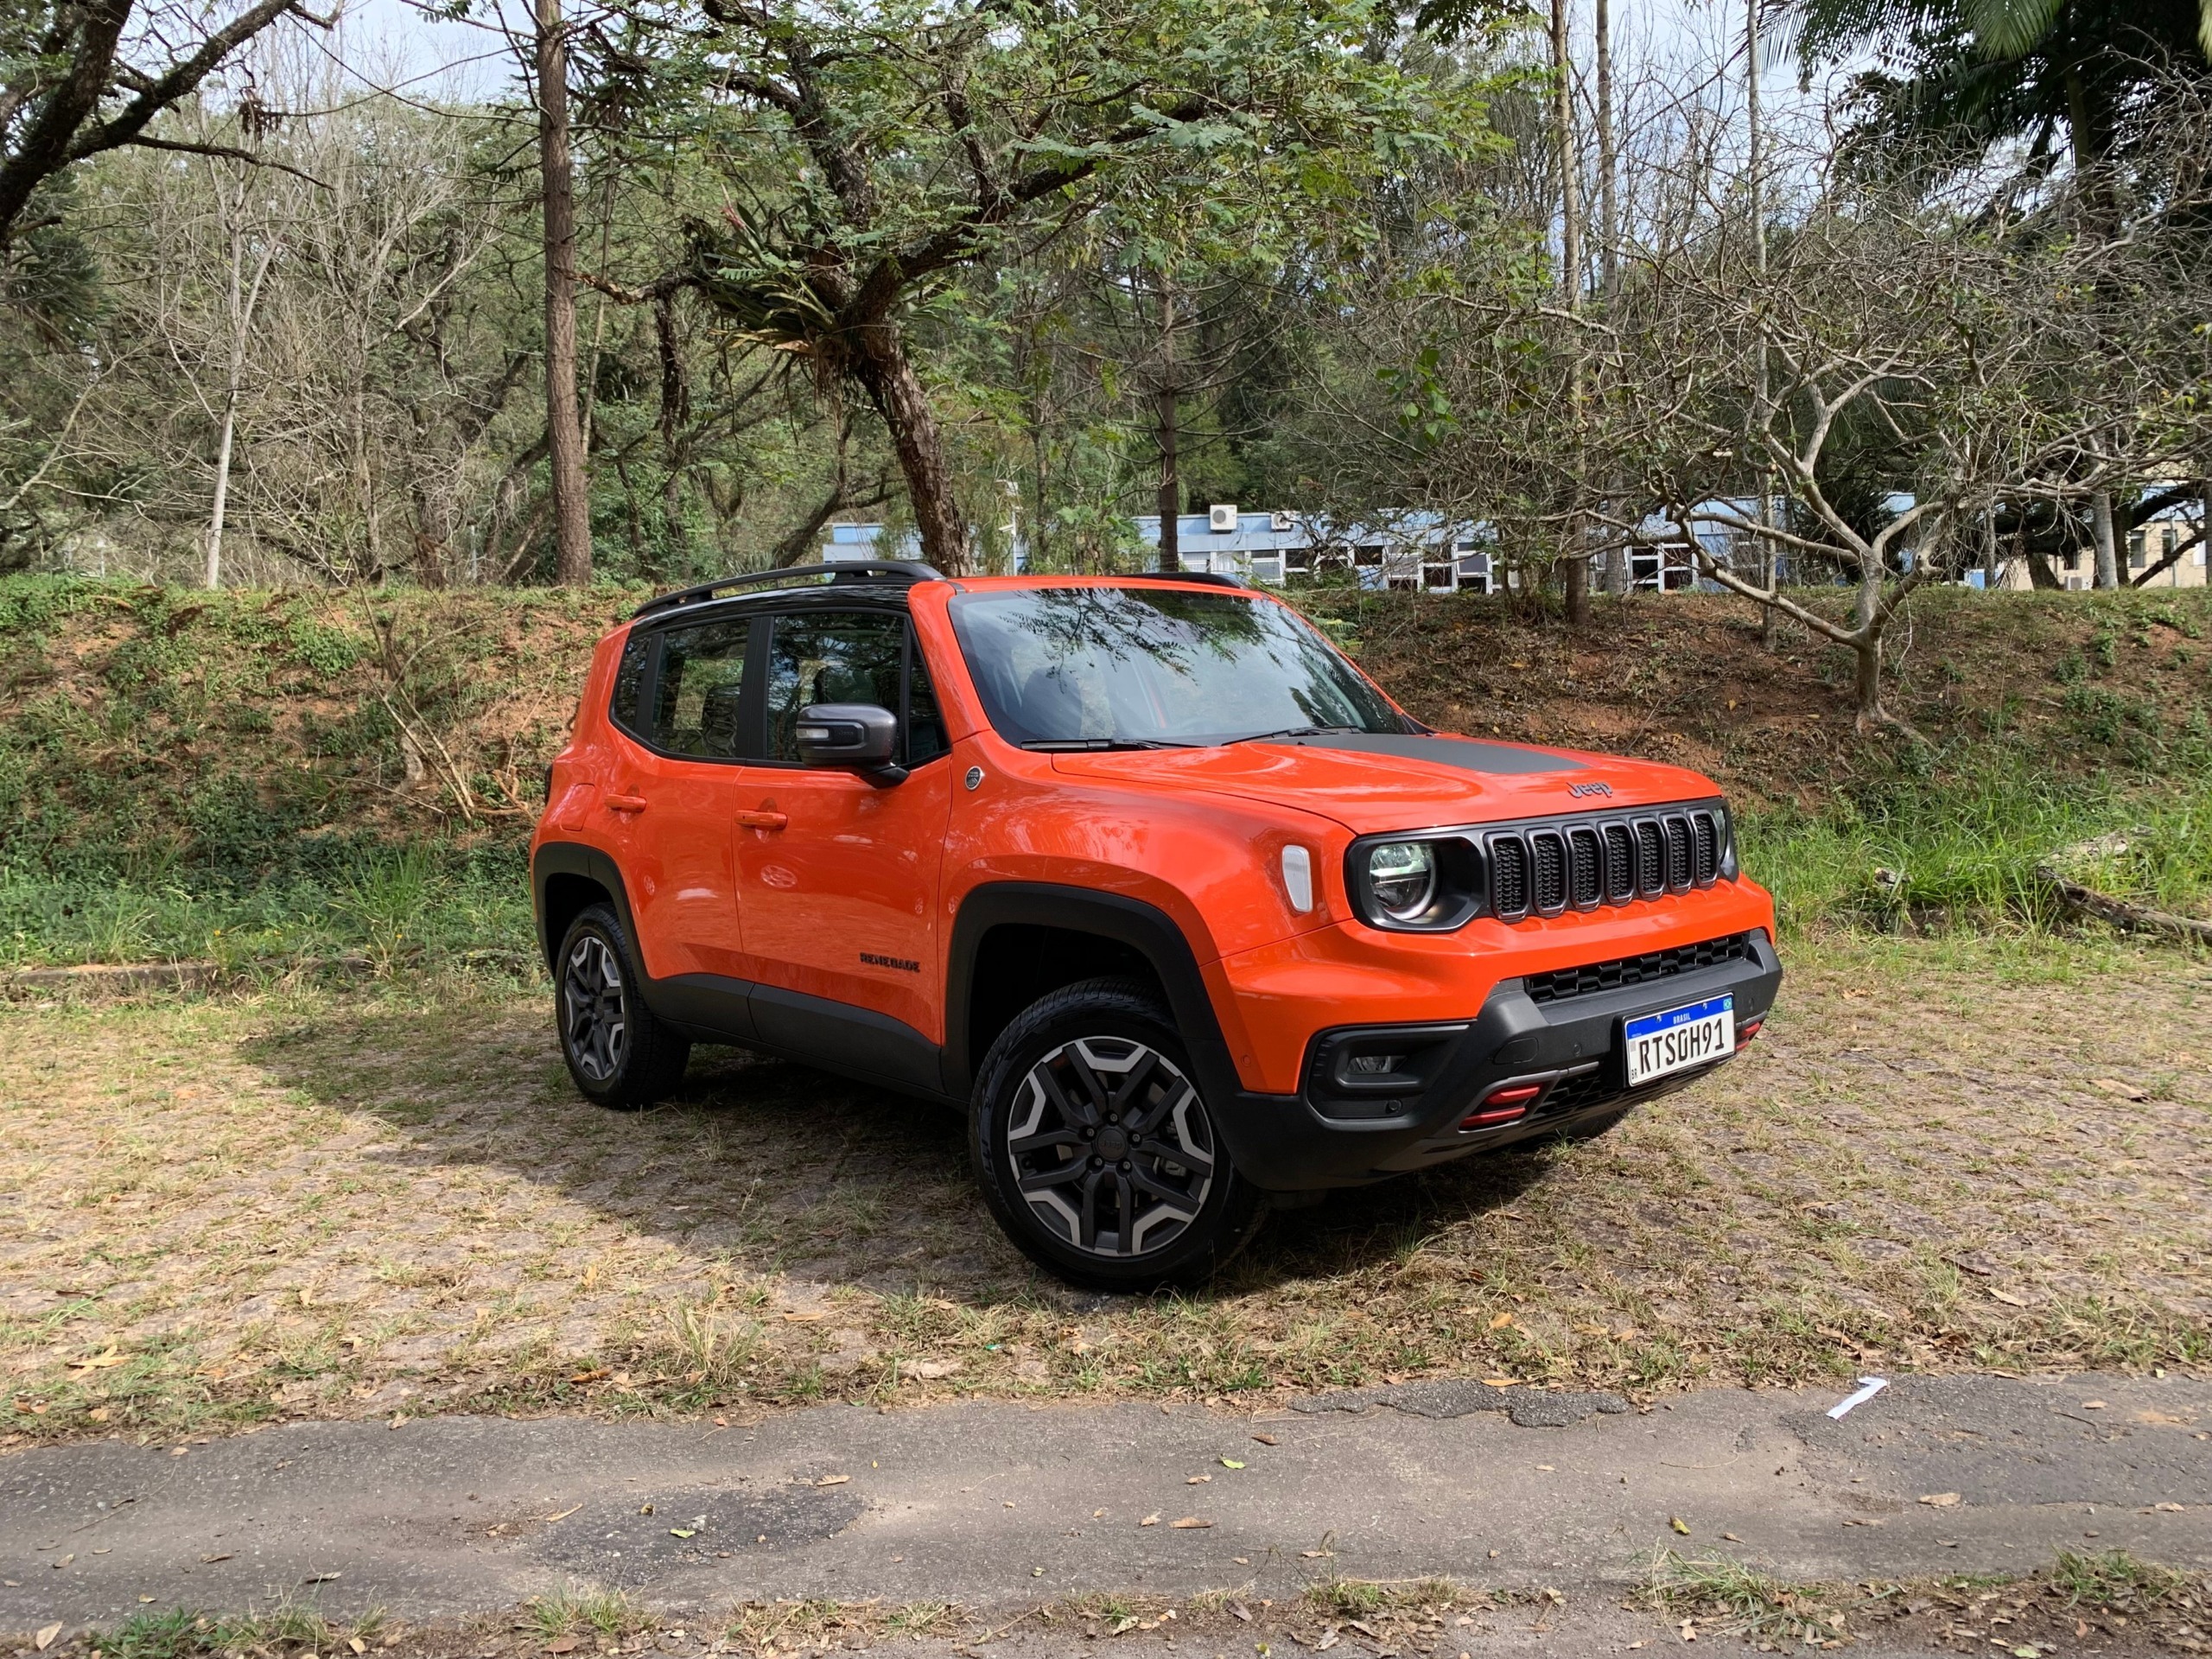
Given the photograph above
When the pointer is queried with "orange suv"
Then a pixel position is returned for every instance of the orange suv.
(1139, 872)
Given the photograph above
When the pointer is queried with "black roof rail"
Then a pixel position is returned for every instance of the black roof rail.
(853, 571)
(1204, 578)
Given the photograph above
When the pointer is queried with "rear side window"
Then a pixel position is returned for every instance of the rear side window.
(698, 694)
(629, 680)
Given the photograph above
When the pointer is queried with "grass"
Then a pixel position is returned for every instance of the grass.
(577, 1608)
(2115, 1581)
(386, 1198)
(1337, 1597)
(1732, 1598)
(1963, 842)
(182, 1633)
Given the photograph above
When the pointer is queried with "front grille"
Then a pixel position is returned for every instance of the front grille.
(1563, 983)
(1542, 869)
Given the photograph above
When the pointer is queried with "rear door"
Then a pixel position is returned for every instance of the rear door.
(677, 789)
(838, 876)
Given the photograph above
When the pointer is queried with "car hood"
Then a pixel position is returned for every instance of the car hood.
(1413, 782)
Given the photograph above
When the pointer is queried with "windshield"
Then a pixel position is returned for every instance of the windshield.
(1112, 667)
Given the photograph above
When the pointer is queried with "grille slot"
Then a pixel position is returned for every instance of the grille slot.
(1509, 877)
(1707, 864)
(1586, 868)
(1650, 858)
(1547, 877)
(1620, 863)
(1563, 983)
(1678, 854)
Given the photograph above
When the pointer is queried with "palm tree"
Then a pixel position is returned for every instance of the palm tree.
(1956, 79)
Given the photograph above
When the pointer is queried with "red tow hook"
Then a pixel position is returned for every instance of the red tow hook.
(1502, 1105)
(1745, 1031)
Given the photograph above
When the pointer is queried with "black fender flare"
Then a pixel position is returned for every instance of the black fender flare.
(555, 858)
(1144, 927)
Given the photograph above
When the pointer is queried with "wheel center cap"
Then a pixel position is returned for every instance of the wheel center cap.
(1112, 1143)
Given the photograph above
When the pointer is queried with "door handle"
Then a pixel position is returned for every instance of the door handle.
(763, 820)
(626, 803)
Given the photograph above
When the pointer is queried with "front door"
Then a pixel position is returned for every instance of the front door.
(838, 876)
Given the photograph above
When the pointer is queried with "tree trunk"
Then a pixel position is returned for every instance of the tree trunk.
(221, 504)
(1869, 621)
(1867, 681)
(1570, 181)
(1166, 429)
(245, 300)
(1171, 483)
(563, 429)
(2107, 548)
(1576, 577)
(1609, 221)
(896, 391)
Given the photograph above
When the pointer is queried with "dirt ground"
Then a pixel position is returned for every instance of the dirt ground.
(1943, 1155)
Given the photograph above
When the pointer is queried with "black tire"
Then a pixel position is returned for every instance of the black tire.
(619, 1054)
(1078, 1070)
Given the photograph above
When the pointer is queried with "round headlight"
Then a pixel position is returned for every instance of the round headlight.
(1401, 875)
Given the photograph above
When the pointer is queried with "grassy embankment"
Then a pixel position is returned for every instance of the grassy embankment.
(260, 779)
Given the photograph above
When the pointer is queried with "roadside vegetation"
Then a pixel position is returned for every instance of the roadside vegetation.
(345, 783)
(2138, 1605)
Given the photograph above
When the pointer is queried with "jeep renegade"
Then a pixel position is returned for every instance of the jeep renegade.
(1140, 874)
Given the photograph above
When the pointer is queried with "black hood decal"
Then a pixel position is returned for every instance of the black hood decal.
(1468, 754)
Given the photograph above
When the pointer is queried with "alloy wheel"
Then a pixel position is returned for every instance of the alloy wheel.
(595, 1016)
(1111, 1146)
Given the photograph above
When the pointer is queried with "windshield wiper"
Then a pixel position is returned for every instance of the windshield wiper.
(1300, 731)
(1099, 744)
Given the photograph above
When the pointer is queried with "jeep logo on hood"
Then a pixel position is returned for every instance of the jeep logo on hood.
(1580, 790)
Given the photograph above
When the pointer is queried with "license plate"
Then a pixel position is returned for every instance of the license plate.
(1659, 1043)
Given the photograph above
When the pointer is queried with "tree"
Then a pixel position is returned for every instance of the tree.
(886, 147)
(81, 77)
(564, 433)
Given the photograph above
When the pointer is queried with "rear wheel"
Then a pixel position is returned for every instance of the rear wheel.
(1095, 1147)
(619, 1054)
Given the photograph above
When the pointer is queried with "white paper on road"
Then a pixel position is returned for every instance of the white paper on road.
(1868, 1387)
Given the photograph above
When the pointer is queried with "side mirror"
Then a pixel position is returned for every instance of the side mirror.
(858, 736)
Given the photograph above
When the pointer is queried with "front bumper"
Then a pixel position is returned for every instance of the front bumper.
(1355, 1119)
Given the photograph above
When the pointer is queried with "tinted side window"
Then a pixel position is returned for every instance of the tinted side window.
(629, 675)
(833, 657)
(696, 703)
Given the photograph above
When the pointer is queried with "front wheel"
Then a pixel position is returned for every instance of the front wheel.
(1096, 1149)
(618, 1053)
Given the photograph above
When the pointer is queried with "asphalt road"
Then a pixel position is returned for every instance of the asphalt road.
(993, 1505)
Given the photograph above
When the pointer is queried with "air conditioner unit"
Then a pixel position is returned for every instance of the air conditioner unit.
(1222, 520)
(1279, 522)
